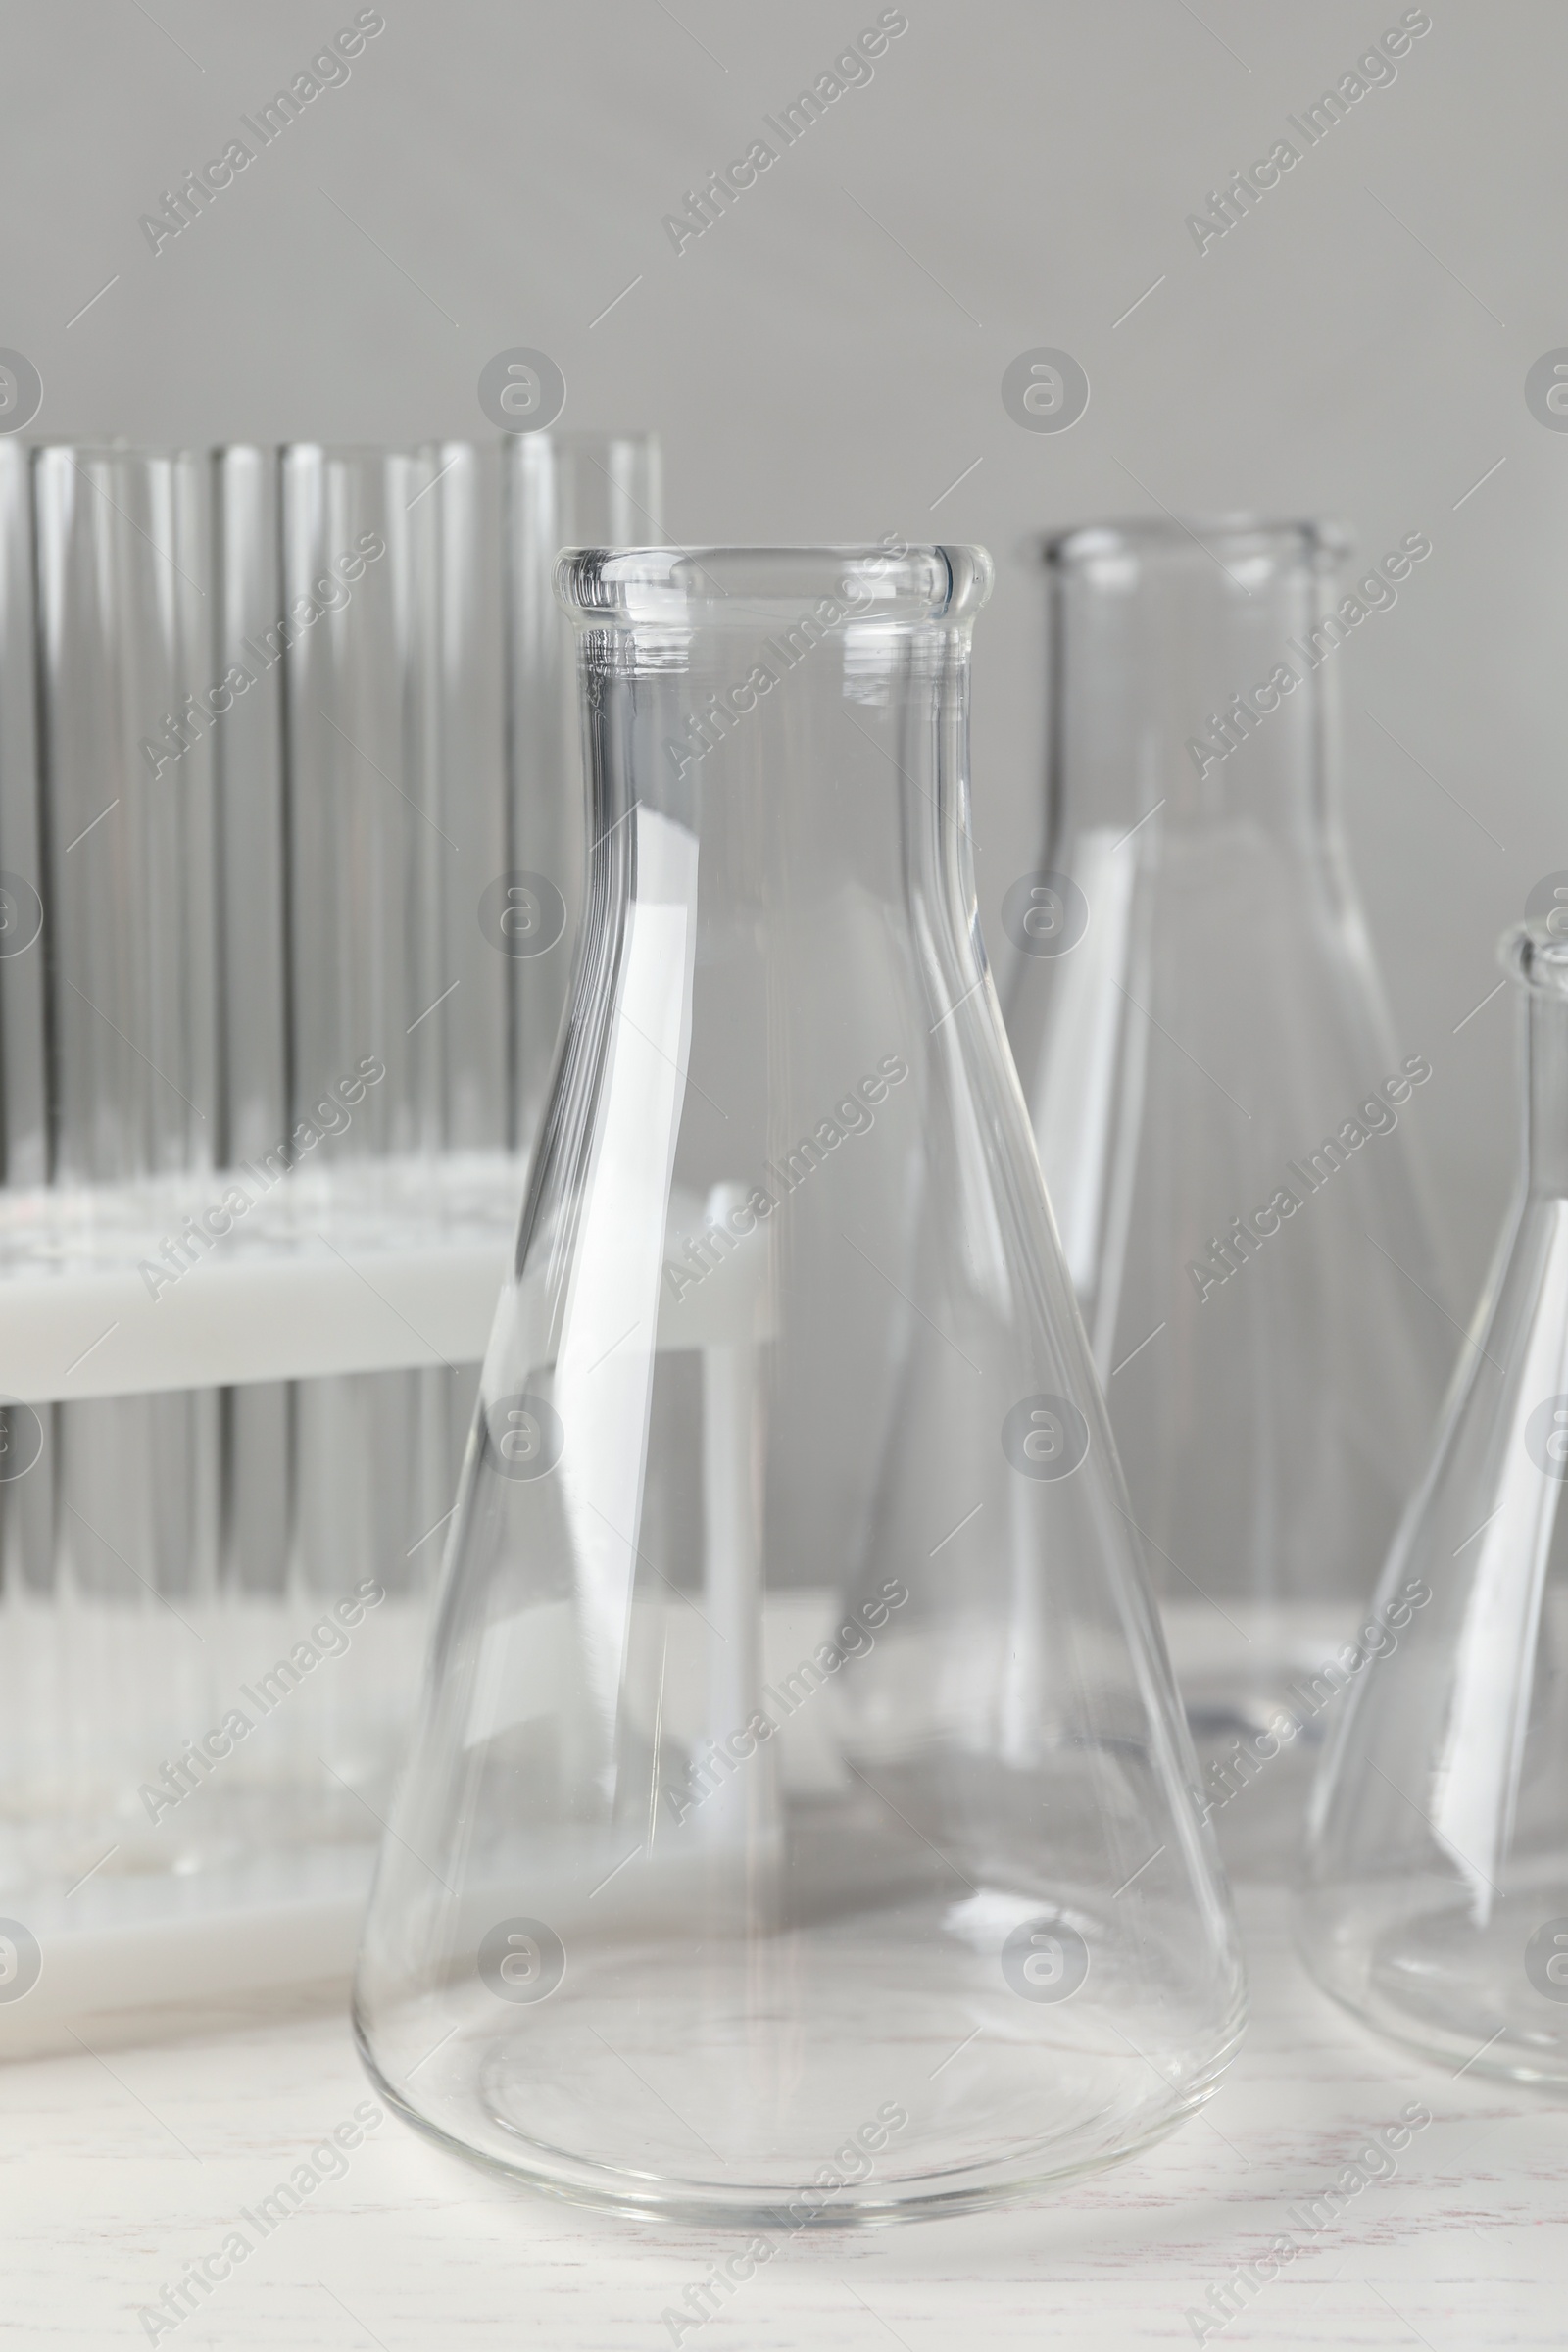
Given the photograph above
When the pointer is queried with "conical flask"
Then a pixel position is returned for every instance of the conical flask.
(1224, 1116)
(728, 1877)
(1435, 1902)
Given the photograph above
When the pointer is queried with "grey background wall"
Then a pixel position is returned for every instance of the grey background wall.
(826, 361)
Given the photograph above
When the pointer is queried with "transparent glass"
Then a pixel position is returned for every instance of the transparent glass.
(799, 1815)
(1225, 1120)
(278, 731)
(1436, 1898)
(111, 1517)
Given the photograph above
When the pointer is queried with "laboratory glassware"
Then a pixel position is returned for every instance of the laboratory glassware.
(1226, 1124)
(799, 1820)
(1435, 1902)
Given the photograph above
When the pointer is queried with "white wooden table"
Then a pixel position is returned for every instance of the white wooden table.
(121, 2170)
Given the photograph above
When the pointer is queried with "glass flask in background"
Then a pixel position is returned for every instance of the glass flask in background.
(1224, 1118)
(799, 1818)
(1435, 1897)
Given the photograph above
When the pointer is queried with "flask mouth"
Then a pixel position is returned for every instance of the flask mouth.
(1536, 957)
(712, 587)
(1322, 545)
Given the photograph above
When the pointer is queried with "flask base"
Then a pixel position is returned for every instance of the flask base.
(1485, 1998)
(673, 2083)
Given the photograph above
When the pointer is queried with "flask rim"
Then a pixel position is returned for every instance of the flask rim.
(626, 587)
(1536, 959)
(1320, 542)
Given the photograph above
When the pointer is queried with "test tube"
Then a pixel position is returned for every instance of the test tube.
(394, 742)
(560, 490)
(248, 749)
(128, 859)
(32, 1745)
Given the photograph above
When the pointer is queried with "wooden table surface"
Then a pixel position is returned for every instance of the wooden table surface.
(124, 2168)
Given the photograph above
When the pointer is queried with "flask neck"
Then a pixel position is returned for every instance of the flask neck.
(1197, 676)
(790, 720)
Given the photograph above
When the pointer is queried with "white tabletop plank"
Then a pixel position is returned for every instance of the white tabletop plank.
(121, 2171)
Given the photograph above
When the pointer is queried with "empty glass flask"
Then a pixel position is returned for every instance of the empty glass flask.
(800, 1825)
(1436, 1902)
(1224, 1116)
